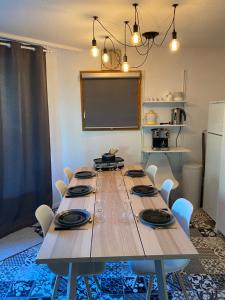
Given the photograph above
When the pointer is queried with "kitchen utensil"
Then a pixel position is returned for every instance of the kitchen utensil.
(150, 118)
(178, 116)
(178, 96)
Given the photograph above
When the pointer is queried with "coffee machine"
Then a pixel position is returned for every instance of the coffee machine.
(178, 116)
(160, 139)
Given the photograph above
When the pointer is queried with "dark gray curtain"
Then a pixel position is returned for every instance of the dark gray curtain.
(25, 165)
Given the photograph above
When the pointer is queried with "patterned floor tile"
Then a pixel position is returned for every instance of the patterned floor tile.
(112, 285)
(221, 295)
(42, 288)
(213, 266)
(134, 285)
(203, 295)
(202, 283)
(178, 295)
(200, 242)
(4, 288)
(220, 252)
(194, 267)
(219, 280)
(215, 242)
(20, 289)
(135, 297)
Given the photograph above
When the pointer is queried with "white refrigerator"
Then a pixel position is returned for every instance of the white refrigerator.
(214, 182)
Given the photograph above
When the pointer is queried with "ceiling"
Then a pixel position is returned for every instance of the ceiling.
(200, 23)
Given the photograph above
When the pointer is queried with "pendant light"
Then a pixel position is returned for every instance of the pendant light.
(105, 56)
(94, 49)
(125, 65)
(141, 42)
(135, 38)
(174, 44)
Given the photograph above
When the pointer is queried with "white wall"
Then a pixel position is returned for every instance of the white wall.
(163, 72)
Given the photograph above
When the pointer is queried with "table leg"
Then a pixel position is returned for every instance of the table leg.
(72, 283)
(161, 280)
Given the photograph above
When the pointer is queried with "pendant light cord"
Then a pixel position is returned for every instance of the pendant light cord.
(125, 37)
(171, 24)
(143, 43)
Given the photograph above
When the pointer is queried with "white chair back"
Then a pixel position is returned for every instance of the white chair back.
(151, 172)
(182, 209)
(166, 189)
(44, 215)
(61, 187)
(69, 174)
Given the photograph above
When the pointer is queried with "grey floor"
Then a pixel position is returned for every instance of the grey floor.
(18, 241)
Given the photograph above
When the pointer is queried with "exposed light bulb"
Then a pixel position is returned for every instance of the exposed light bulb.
(94, 49)
(125, 65)
(105, 56)
(135, 38)
(174, 44)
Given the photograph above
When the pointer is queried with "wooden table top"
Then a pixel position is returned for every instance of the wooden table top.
(114, 239)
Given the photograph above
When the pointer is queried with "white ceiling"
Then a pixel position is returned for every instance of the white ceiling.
(200, 23)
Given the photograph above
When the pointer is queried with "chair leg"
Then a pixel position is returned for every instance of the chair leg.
(72, 283)
(56, 285)
(149, 288)
(97, 282)
(88, 287)
(180, 280)
(135, 280)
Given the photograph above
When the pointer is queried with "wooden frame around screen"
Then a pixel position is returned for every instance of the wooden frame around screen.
(138, 101)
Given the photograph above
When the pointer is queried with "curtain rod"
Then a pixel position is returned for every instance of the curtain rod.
(31, 41)
(8, 44)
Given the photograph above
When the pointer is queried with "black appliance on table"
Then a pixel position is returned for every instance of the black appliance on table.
(108, 161)
(160, 139)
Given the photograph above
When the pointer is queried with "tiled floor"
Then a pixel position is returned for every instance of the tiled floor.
(21, 278)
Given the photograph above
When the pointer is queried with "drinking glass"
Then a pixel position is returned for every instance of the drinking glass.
(125, 212)
(99, 211)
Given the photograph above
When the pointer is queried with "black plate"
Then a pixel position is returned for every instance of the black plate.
(79, 190)
(144, 190)
(72, 217)
(85, 174)
(156, 217)
(135, 173)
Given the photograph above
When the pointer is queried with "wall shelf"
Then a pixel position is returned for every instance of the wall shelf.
(163, 125)
(171, 150)
(165, 102)
(163, 111)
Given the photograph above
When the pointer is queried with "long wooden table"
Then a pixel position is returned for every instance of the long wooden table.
(114, 239)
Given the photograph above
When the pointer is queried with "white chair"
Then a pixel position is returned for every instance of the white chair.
(61, 187)
(182, 209)
(69, 174)
(45, 216)
(151, 172)
(164, 170)
(166, 189)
